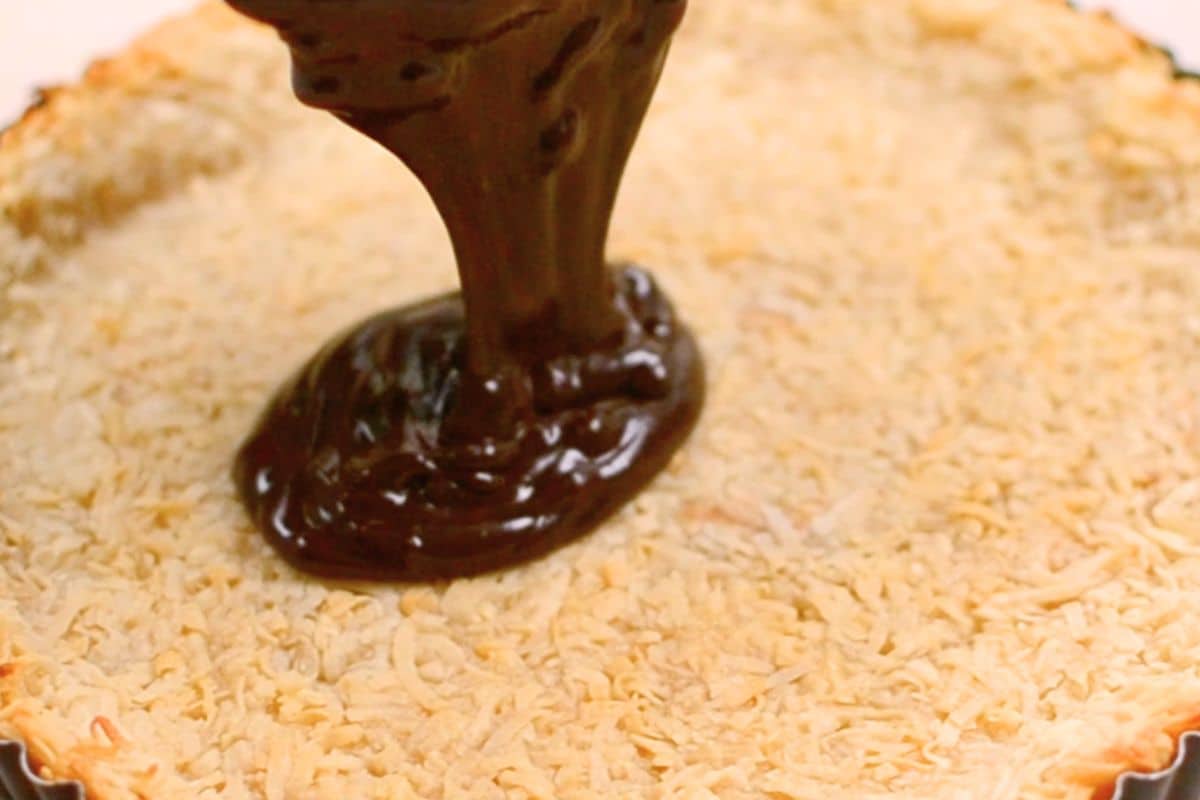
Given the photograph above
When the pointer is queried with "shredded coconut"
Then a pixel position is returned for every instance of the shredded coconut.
(936, 536)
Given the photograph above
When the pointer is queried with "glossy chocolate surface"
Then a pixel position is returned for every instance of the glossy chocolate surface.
(480, 430)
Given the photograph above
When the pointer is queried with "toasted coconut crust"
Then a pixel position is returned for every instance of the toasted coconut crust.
(621, 667)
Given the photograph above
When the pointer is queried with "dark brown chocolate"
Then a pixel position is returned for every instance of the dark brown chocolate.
(480, 430)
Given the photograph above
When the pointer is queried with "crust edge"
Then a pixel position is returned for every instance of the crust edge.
(187, 98)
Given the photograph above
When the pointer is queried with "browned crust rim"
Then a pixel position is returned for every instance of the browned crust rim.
(162, 52)
(154, 57)
(18, 775)
(168, 54)
(1178, 71)
(173, 105)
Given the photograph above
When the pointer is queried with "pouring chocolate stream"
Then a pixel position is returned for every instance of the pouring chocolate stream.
(482, 429)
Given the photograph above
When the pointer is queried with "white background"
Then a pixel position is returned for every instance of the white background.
(49, 41)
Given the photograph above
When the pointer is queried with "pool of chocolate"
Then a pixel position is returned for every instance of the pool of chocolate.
(476, 431)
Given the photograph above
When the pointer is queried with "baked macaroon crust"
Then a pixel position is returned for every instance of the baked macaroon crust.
(937, 533)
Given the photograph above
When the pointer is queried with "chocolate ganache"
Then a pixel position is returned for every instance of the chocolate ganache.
(482, 429)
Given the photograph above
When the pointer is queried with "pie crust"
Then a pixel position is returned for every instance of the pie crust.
(937, 535)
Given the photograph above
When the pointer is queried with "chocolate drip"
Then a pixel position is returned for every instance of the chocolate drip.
(477, 431)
